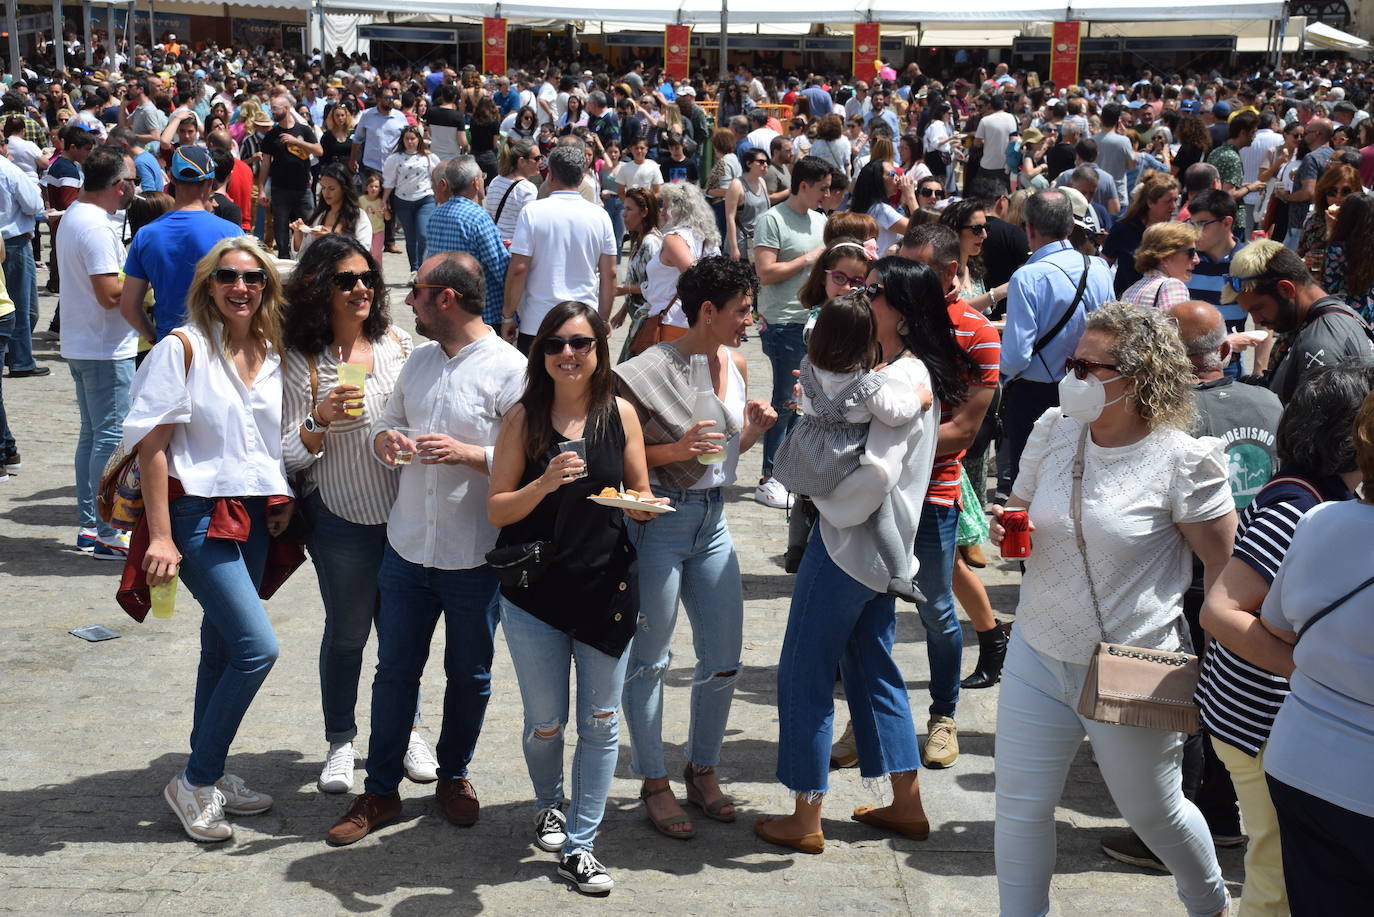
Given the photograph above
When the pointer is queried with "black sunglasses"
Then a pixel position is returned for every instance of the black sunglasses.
(871, 290)
(553, 345)
(227, 276)
(931, 192)
(978, 229)
(1081, 368)
(345, 281)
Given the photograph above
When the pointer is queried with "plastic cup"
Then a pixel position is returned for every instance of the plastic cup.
(580, 447)
(405, 456)
(164, 598)
(354, 374)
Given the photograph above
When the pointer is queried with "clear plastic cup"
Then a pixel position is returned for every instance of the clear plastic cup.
(580, 447)
(164, 598)
(354, 374)
(405, 456)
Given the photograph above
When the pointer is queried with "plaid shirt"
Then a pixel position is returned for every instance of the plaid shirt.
(459, 225)
(35, 132)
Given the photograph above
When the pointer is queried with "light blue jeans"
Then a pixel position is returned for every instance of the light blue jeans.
(686, 554)
(541, 655)
(102, 398)
(414, 219)
(1038, 733)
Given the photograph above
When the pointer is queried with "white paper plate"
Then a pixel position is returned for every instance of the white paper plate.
(1256, 336)
(627, 503)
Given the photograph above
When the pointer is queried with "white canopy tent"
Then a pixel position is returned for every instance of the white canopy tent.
(1321, 35)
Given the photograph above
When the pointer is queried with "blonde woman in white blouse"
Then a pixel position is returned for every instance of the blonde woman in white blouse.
(1152, 497)
(208, 433)
(407, 190)
(337, 312)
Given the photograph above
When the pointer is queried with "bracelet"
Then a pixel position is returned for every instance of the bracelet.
(507, 318)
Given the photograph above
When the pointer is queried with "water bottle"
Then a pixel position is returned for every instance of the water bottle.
(706, 406)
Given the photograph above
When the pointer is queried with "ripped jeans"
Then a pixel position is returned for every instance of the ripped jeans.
(689, 555)
(541, 655)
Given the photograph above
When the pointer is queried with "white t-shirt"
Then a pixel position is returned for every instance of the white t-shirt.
(547, 93)
(565, 238)
(522, 194)
(24, 154)
(995, 131)
(88, 243)
(1134, 498)
(886, 215)
(935, 132)
(634, 175)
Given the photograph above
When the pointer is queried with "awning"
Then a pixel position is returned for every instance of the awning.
(1324, 36)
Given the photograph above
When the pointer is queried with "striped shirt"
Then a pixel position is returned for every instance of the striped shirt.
(1239, 700)
(979, 339)
(353, 484)
(1209, 278)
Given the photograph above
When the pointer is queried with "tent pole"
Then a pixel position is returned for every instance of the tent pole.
(12, 28)
(724, 38)
(86, 26)
(59, 53)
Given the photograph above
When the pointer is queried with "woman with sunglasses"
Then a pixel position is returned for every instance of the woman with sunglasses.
(336, 213)
(1165, 260)
(581, 609)
(523, 125)
(745, 201)
(878, 182)
(337, 313)
(1152, 497)
(969, 219)
(1153, 201)
(1335, 184)
(510, 191)
(206, 424)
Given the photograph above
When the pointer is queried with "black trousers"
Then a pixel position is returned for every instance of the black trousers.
(288, 205)
(1328, 857)
(1023, 402)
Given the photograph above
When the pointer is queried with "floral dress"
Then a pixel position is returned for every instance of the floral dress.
(1335, 281)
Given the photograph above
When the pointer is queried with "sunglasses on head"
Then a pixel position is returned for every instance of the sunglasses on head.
(227, 276)
(1081, 368)
(554, 345)
(842, 279)
(345, 281)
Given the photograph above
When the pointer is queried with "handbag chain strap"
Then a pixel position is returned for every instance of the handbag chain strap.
(1076, 514)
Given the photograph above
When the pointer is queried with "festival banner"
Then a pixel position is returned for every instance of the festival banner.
(865, 50)
(677, 46)
(494, 46)
(1064, 53)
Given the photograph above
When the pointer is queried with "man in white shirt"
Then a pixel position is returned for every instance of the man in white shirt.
(1254, 156)
(451, 396)
(760, 135)
(994, 132)
(858, 104)
(546, 103)
(98, 345)
(575, 248)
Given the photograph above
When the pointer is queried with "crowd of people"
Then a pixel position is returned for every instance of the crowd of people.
(1143, 308)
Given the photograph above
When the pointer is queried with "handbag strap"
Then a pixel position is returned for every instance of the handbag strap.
(502, 206)
(1069, 313)
(1330, 608)
(1076, 514)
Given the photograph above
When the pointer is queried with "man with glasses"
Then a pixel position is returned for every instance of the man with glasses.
(1213, 215)
(1006, 247)
(1317, 136)
(446, 410)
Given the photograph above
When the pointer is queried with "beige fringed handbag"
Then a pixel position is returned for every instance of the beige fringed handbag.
(1129, 685)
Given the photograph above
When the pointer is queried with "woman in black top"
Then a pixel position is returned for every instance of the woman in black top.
(583, 605)
(337, 136)
(483, 133)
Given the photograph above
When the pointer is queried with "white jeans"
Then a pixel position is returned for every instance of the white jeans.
(1038, 733)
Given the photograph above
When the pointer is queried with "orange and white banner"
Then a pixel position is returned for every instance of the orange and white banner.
(493, 45)
(1064, 53)
(865, 50)
(677, 51)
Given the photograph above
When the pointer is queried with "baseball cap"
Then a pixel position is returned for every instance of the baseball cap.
(1221, 110)
(1083, 216)
(1189, 106)
(686, 89)
(192, 164)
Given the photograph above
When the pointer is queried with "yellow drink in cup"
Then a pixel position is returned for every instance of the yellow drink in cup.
(353, 374)
(164, 598)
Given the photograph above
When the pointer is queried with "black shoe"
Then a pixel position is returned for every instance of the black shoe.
(1130, 849)
(29, 373)
(992, 652)
(791, 561)
(581, 869)
(11, 462)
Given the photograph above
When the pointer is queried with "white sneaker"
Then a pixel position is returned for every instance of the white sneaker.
(239, 799)
(421, 765)
(201, 810)
(337, 774)
(772, 493)
(550, 830)
(116, 548)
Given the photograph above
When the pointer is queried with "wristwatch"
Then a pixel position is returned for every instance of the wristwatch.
(313, 426)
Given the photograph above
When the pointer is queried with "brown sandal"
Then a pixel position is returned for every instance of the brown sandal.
(662, 825)
(807, 843)
(918, 829)
(695, 797)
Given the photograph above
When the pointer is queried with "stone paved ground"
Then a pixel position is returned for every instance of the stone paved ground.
(91, 732)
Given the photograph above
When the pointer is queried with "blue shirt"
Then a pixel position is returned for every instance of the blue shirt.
(819, 100)
(887, 117)
(1037, 295)
(20, 201)
(149, 172)
(165, 253)
(1209, 278)
(459, 225)
(507, 101)
(378, 134)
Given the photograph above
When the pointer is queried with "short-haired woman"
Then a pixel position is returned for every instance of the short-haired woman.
(1165, 261)
(582, 608)
(745, 201)
(206, 423)
(407, 190)
(1151, 497)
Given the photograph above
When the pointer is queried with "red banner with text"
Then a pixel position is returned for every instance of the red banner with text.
(494, 46)
(677, 48)
(865, 50)
(1064, 53)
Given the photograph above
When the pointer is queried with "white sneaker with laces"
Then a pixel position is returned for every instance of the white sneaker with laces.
(116, 548)
(582, 869)
(550, 830)
(201, 810)
(421, 765)
(239, 799)
(772, 493)
(337, 774)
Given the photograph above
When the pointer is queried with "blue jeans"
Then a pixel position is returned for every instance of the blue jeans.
(615, 209)
(21, 280)
(414, 218)
(7, 444)
(689, 555)
(347, 556)
(834, 620)
(783, 346)
(102, 398)
(413, 598)
(1039, 731)
(542, 655)
(936, 537)
(237, 645)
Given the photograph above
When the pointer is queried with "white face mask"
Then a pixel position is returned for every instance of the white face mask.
(1084, 399)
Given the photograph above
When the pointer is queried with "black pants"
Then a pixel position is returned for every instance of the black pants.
(1023, 402)
(1328, 857)
(288, 205)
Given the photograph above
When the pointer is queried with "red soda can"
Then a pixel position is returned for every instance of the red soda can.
(1016, 540)
(1258, 234)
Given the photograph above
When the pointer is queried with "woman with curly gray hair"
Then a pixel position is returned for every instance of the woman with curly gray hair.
(689, 231)
(1151, 497)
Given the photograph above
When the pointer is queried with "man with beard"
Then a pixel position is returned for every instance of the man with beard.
(374, 137)
(1276, 289)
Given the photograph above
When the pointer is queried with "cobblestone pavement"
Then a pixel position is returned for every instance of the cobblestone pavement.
(92, 732)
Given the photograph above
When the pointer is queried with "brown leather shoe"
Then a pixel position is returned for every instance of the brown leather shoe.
(459, 801)
(369, 812)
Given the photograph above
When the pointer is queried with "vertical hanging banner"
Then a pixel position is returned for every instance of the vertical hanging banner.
(677, 46)
(1064, 53)
(494, 45)
(865, 50)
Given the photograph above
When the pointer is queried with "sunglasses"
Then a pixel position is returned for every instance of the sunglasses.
(1190, 252)
(931, 192)
(758, 161)
(416, 287)
(553, 346)
(227, 277)
(1081, 368)
(842, 279)
(872, 290)
(978, 229)
(1342, 191)
(345, 281)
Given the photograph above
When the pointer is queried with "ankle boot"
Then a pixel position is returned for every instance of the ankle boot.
(992, 649)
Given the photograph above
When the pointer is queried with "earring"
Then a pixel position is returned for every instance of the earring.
(903, 327)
